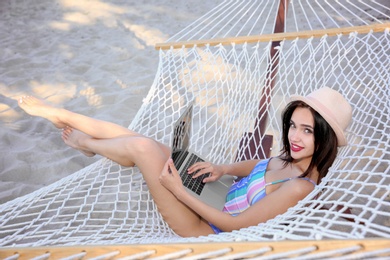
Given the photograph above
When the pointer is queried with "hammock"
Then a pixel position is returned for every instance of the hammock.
(239, 67)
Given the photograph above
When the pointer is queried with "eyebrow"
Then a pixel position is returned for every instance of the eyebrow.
(304, 125)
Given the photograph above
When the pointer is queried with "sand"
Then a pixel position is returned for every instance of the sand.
(93, 57)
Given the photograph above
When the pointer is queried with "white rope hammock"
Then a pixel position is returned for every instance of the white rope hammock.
(109, 204)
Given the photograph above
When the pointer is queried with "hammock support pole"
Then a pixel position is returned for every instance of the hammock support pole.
(258, 144)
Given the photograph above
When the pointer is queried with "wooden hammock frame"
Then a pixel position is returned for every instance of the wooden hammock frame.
(225, 250)
(364, 29)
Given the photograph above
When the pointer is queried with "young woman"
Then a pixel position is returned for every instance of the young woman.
(313, 127)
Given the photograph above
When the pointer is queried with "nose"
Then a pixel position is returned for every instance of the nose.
(295, 135)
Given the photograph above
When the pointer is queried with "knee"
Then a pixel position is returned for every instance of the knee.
(139, 146)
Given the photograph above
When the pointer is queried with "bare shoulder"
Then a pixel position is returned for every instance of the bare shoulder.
(275, 163)
(298, 187)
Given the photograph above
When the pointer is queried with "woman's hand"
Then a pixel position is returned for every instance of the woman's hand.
(170, 178)
(200, 168)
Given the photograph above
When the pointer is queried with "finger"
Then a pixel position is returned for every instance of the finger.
(197, 166)
(211, 178)
(201, 172)
(193, 167)
(165, 168)
(171, 166)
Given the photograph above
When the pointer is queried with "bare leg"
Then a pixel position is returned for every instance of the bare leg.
(71, 137)
(139, 150)
(127, 148)
(36, 107)
(62, 118)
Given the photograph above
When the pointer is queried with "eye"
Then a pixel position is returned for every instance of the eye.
(292, 125)
(308, 130)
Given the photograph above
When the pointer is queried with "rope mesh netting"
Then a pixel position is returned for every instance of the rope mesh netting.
(109, 204)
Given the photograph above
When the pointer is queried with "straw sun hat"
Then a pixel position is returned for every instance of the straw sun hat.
(333, 107)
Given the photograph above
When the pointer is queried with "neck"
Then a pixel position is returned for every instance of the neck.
(303, 165)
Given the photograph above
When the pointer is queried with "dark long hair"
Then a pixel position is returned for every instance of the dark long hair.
(325, 141)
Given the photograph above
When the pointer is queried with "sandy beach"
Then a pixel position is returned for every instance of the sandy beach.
(93, 57)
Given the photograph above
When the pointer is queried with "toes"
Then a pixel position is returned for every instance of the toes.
(25, 99)
(64, 135)
(30, 100)
(21, 99)
(66, 132)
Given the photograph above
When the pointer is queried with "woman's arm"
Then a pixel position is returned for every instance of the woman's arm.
(239, 169)
(287, 195)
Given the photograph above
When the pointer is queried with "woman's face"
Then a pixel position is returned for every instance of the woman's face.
(301, 135)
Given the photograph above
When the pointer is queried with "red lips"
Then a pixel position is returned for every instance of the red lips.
(295, 148)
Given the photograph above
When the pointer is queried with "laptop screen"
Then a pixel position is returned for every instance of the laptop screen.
(181, 137)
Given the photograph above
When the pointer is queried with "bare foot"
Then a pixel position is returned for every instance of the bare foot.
(36, 107)
(72, 138)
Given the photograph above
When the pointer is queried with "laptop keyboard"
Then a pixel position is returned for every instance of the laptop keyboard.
(178, 157)
(194, 184)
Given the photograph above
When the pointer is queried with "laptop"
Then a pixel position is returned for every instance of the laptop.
(211, 193)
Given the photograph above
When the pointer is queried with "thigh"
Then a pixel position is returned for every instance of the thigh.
(151, 157)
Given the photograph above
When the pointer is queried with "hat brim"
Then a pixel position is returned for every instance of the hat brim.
(341, 139)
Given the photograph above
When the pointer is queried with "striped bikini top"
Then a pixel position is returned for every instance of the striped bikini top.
(250, 189)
